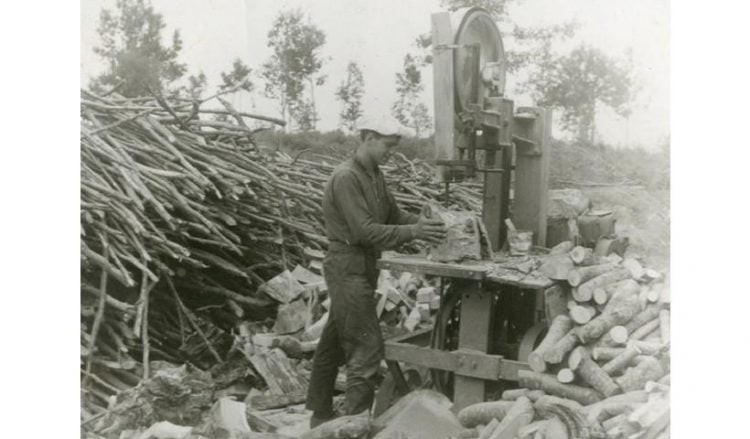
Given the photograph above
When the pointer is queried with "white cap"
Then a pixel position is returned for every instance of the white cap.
(383, 124)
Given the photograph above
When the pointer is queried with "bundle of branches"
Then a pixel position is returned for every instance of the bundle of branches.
(183, 218)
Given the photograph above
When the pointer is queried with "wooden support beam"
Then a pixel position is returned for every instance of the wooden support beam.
(473, 334)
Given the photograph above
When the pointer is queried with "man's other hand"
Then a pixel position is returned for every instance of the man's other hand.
(430, 230)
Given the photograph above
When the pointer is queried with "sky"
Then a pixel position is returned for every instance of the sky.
(377, 35)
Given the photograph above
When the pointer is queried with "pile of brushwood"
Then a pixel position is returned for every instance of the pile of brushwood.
(184, 219)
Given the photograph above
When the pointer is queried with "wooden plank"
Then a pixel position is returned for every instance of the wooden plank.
(509, 369)
(442, 64)
(473, 334)
(265, 401)
(278, 373)
(532, 177)
(471, 364)
(420, 265)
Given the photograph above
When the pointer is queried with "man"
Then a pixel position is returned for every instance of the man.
(361, 218)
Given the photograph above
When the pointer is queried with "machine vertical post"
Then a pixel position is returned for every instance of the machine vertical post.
(532, 172)
(473, 334)
(442, 63)
(496, 194)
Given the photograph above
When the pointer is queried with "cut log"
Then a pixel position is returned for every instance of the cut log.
(468, 433)
(607, 246)
(569, 412)
(649, 313)
(585, 290)
(560, 326)
(582, 256)
(345, 426)
(513, 394)
(519, 415)
(652, 274)
(665, 380)
(566, 376)
(618, 311)
(621, 361)
(623, 430)
(648, 348)
(591, 373)
(664, 325)
(664, 295)
(582, 314)
(562, 248)
(635, 378)
(266, 401)
(656, 387)
(483, 413)
(645, 330)
(489, 429)
(556, 267)
(615, 420)
(551, 386)
(278, 373)
(530, 431)
(635, 398)
(651, 413)
(534, 395)
(601, 295)
(555, 429)
(653, 295)
(579, 275)
(605, 353)
(634, 267)
(556, 353)
(619, 334)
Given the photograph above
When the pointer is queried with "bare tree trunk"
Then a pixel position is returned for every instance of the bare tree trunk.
(314, 117)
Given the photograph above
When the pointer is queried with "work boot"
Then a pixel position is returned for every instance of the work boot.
(317, 419)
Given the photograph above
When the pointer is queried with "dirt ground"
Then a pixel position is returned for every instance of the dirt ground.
(643, 215)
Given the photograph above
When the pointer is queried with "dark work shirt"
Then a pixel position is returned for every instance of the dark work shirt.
(360, 211)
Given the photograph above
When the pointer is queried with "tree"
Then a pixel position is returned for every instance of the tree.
(494, 7)
(408, 108)
(131, 45)
(237, 78)
(350, 94)
(293, 66)
(577, 82)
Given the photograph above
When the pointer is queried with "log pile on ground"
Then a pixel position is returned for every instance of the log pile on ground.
(190, 233)
(611, 366)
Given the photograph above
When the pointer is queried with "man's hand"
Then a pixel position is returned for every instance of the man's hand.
(430, 230)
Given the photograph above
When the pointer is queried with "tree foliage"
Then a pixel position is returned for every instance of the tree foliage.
(138, 62)
(237, 78)
(496, 8)
(293, 66)
(577, 82)
(408, 108)
(350, 93)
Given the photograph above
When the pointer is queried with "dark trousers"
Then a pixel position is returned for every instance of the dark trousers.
(351, 337)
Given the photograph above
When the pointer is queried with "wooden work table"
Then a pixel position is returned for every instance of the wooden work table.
(519, 271)
(476, 282)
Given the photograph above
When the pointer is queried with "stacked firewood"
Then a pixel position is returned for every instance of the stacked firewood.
(184, 219)
(602, 370)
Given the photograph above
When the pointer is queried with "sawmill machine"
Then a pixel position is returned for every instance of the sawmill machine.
(483, 332)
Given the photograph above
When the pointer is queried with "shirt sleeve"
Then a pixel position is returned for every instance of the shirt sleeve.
(396, 215)
(350, 200)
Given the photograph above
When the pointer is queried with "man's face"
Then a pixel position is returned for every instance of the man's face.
(381, 147)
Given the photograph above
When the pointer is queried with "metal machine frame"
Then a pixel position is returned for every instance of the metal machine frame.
(474, 119)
